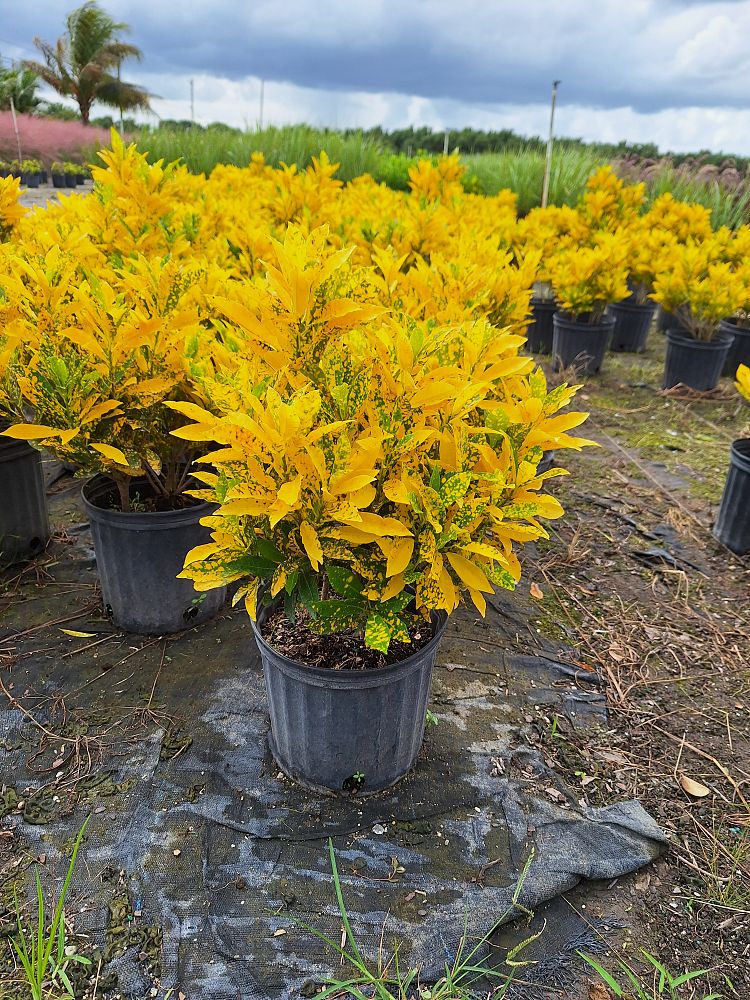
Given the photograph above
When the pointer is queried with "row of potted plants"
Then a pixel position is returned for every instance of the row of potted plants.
(32, 173)
(599, 284)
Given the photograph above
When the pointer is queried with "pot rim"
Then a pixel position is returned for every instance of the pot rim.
(137, 519)
(11, 449)
(736, 329)
(562, 319)
(348, 678)
(720, 339)
(739, 454)
(642, 307)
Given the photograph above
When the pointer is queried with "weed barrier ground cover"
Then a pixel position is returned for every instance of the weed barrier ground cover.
(200, 858)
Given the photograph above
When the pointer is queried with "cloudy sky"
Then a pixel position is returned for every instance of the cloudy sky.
(674, 72)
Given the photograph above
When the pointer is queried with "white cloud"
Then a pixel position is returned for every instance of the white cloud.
(662, 71)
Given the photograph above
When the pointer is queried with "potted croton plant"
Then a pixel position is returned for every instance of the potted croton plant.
(372, 471)
(738, 324)
(634, 314)
(24, 521)
(699, 288)
(732, 526)
(545, 231)
(109, 351)
(587, 279)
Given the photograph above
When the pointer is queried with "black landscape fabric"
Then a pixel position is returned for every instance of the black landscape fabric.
(201, 862)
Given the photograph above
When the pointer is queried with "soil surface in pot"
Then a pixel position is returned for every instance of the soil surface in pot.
(144, 500)
(343, 650)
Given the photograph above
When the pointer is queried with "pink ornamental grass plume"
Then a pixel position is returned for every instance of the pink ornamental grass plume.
(49, 139)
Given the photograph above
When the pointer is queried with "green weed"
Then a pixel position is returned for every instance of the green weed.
(42, 950)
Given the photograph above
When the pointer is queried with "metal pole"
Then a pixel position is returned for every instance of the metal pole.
(548, 161)
(445, 142)
(122, 128)
(15, 129)
(192, 101)
(260, 119)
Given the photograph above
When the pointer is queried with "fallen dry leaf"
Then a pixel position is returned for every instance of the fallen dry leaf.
(536, 591)
(694, 788)
(598, 991)
(77, 635)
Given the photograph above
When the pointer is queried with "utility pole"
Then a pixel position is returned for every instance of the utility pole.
(192, 101)
(119, 64)
(548, 162)
(260, 117)
(15, 128)
(445, 142)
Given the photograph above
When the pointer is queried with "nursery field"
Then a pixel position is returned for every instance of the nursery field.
(374, 602)
(722, 187)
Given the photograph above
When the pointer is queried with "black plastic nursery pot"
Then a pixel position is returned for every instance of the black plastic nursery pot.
(332, 730)
(582, 345)
(539, 331)
(695, 363)
(70, 180)
(30, 180)
(632, 323)
(739, 352)
(59, 180)
(732, 526)
(138, 557)
(24, 521)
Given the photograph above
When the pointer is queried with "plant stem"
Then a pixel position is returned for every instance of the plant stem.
(123, 488)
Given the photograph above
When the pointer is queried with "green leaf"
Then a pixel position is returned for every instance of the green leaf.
(307, 589)
(616, 989)
(267, 550)
(336, 615)
(252, 566)
(343, 581)
(378, 633)
(290, 607)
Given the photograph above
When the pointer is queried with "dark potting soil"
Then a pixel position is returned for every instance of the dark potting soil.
(343, 650)
(144, 500)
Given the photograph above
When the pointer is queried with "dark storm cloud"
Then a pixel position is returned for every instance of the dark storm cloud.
(647, 54)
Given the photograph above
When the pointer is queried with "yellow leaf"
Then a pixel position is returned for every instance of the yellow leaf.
(254, 507)
(351, 482)
(469, 573)
(99, 411)
(192, 410)
(399, 556)
(32, 432)
(77, 635)
(479, 602)
(396, 491)
(200, 552)
(395, 585)
(536, 591)
(381, 527)
(279, 579)
(112, 454)
(289, 493)
(312, 545)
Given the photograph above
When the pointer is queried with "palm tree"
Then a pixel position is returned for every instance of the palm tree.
(85, 62)
(18, 84)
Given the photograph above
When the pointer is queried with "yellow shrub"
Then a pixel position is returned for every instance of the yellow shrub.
(389, 455)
